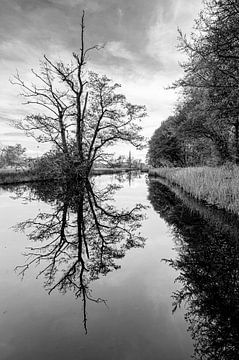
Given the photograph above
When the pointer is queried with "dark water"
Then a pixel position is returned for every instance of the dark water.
(82, 276)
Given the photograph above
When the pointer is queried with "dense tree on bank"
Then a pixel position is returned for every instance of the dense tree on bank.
(83, 112)
(211, 76)
(207, 113)
(173, 145)
(165, 148)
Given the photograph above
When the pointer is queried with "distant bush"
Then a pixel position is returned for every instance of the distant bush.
(12, 155)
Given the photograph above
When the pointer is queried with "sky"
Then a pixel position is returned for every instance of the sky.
(140, 52)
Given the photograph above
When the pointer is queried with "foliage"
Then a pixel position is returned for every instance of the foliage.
(165, 147)
(173, 145)
(207, 111)
(210, 83)
(50, 165)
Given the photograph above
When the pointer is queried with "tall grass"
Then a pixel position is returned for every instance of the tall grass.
(217, 186)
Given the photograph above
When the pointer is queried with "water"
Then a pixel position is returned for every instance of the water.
(116, 304)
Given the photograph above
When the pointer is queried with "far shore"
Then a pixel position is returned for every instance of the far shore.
(17, 175)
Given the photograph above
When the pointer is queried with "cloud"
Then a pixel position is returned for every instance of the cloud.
(12, 134)
(118, 49)
(4, 119)
(162, 34)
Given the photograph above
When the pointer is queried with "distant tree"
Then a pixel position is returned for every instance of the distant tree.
(83, 111)
(119, 161)
(12, 155)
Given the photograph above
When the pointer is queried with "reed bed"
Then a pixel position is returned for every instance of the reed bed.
(217, 186)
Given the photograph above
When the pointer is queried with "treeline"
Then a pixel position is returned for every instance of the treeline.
(204, 129)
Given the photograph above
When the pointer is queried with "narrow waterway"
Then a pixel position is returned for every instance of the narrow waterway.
(108, 293)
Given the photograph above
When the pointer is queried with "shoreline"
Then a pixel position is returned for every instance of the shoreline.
(225, 221)
(15, 176)
(214, 186)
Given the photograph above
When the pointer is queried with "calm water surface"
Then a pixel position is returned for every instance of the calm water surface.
(116, 304)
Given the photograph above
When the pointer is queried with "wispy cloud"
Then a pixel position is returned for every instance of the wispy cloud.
(118, 49)
(12, 134)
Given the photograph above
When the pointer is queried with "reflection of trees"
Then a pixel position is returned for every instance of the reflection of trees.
(81, 238)
(129, 176)
(208, 262)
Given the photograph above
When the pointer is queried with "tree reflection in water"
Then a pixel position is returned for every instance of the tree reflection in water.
(208, 265)
(81, 238)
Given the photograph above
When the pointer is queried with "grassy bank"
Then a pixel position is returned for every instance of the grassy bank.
(216, 186)
(225, 222)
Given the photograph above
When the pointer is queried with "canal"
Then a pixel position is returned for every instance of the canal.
(120, 268)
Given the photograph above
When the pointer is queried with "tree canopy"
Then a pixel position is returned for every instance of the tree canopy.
(164, 146)
(208, 105)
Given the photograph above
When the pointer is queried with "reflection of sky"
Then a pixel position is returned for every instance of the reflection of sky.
(138, 323)
(139, 36)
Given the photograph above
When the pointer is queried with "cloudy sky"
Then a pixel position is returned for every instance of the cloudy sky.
(139, 37)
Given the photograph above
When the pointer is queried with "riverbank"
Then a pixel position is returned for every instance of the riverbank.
(107, 171)
(216, 186)
(225, 222)
(15, 176)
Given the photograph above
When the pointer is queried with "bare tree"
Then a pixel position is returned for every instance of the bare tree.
(83, 111)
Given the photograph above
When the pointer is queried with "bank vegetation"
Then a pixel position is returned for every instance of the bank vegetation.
(197, 147)
(204, 128)
(216, 186)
